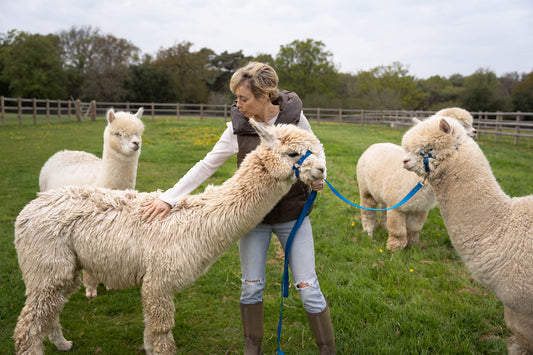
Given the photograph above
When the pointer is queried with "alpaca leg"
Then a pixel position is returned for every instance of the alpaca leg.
(91, 285)
(415, 222)
(522, 328)
(158, 308)
(369, 219)
(39, 318)
(56, 334)
(397, 230)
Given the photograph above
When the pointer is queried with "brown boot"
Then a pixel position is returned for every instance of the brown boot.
(252, 326)
(323, 331)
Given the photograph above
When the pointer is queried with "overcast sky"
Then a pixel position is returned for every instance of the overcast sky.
(429, 37)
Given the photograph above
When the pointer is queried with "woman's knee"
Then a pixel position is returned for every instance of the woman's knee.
(252, 291)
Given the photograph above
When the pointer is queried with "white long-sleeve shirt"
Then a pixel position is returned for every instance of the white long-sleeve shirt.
(226, 147)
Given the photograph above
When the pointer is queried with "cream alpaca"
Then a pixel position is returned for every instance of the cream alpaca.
(383, 182)
(101, 231)
(116, 170)
(493, 235)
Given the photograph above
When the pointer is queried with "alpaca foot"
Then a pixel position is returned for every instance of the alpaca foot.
(64, 345)
(394, 243)
(412, 238)
(91, 292)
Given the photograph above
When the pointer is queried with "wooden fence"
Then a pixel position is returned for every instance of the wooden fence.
(26, 111)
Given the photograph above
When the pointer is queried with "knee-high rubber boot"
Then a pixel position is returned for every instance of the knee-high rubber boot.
(252, 326)
(323, 331)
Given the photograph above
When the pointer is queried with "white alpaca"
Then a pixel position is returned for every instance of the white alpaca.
(494, 234)
(383, 183)
(116, 170)
(100, 230)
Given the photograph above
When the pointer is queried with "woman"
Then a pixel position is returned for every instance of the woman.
(256, 88)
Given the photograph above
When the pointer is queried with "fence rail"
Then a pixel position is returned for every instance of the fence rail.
(24, 111)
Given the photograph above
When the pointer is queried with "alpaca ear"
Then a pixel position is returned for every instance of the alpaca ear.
(266, 134)
(445, 126)
(110, 115)
(415, 120)
(139, 113)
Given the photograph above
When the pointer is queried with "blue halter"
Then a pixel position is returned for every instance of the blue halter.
(426, 157)
(298, 164)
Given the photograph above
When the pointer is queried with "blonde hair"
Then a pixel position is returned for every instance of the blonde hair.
(261, 78)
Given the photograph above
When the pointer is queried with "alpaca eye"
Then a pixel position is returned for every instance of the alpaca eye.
(118, 134)
(293, 154)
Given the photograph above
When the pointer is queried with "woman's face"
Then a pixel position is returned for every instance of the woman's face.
(249, 105)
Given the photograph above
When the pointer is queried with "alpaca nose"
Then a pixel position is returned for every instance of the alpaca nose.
(136, 145)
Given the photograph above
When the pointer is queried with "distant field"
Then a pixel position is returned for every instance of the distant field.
(418, 301)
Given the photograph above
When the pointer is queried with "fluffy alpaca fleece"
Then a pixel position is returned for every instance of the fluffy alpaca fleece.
(493, 235)
(100, 230)
(116, 170)
(462, 116)
(383, 182)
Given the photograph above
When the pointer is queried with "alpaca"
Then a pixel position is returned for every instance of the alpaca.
(383, 181)
(100, 230)
(116, 170)
(493, 235)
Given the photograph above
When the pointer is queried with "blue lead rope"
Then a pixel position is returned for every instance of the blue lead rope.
(307, 206)
(285, 280)
(404, 200)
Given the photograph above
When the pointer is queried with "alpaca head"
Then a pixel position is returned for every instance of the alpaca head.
(123, 132)
(463, 116)
(430, 142)
(282, 146)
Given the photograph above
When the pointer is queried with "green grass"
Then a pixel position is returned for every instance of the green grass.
(416, 301)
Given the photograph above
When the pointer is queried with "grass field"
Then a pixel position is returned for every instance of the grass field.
(416, 301)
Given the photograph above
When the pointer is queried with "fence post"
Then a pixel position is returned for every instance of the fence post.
(47, 111)
(340, 117)
(178, 111)
(153, 112)
(225, 112)
(78, 110)
(362, 117)
(318, 116)
(518, 118)
(69, 109)
(2, 110)
(201, 112)
(19, 106)
(93, 110)
(498, 127)
(34, 101)
(59, 111)
(128, 106)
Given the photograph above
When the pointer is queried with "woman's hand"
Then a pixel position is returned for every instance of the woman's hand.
(317, 185)
(153, 208)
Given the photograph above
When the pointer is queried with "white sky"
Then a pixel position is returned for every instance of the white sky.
(429, 37)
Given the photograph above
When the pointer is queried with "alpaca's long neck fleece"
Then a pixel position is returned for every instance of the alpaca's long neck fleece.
(117, 171)
(223, 214)
(470, 201)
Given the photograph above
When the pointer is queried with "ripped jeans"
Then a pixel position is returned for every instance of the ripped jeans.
(253, 249)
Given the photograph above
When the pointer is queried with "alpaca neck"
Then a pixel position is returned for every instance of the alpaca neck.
(467, 192)
(231, 210)
(117, 171)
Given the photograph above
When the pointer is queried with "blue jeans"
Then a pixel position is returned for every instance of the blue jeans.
(253, 249)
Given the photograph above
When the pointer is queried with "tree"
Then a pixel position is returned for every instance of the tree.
(480, 91)
(523, 94)
(390, 87)
(224, 65)
(191, 72)
(33, 67)
(149, 83)
(306, 68)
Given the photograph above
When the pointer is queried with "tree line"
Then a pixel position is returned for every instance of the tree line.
(83, 63)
